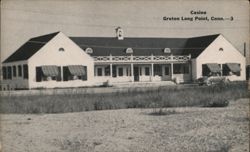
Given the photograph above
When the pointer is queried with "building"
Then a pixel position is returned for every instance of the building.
(56, 60)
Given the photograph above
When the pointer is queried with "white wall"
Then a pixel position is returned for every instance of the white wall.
(194, 69)
(49, 55)
(229, 55)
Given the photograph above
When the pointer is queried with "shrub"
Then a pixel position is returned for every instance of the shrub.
(162, 111)
(219, 103)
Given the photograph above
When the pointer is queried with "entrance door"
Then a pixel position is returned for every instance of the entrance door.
(136, 73)
(166, 73)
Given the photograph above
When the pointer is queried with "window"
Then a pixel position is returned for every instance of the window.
(4, 73)
(186, 69)
(39, 74)
(107, 71)
(177, 69)
(225, 70)
(99, 71)
(25, 71)
(19, 70)
(157, 70)
(59, 77)
(114, 71)
(14, 70)
(120, 71)
(181, 68)
(147, 71)
(85, 76)
(166, 70)
(46, 73)
(9, 72)
(73, 72)
(231, 69)
(205, 70)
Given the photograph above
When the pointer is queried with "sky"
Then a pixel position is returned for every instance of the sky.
(24, 19)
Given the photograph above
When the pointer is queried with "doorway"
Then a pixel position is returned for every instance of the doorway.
(136, 74)
(166, 72)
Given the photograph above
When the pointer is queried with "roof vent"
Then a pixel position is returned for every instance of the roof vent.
(221, 49)
(89, 50)
(61, 49)
(129, 50)
(119, 33)
(167, 50)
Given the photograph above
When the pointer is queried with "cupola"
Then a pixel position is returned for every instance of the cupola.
(119, 33)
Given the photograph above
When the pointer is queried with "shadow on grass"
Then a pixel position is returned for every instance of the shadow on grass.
(163, 112)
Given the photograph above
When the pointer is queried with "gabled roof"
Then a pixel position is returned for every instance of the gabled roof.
(104, 46)
(30, 48)
(199, 43)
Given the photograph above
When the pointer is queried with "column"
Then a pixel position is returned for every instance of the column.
(132, 72)
(111, 70)
(172, 71)
(152, 71)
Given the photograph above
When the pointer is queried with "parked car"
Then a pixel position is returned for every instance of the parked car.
(211, 80)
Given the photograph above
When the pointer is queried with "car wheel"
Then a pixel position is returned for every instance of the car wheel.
(209, 83)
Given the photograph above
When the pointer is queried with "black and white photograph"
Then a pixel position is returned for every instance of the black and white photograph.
(125, 76)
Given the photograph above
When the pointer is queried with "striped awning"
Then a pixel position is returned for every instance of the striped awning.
(50, 70)
(77, 70)
(234, 67)
(213, 67)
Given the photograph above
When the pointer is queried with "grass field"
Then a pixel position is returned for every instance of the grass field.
(161, 97)
(187, 129)
(169, 118)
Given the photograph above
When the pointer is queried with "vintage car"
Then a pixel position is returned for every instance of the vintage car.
(211, 80)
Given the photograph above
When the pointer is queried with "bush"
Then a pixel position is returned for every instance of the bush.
(220, 103)
(162, 111)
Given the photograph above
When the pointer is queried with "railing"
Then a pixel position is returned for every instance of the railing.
(152, 58)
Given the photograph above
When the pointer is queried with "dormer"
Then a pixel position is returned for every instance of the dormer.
(129, 50)
(119, 33)
(167, 50)
(89, 50)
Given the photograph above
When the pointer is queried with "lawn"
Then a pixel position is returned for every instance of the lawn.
(189, 129)
(160, 97)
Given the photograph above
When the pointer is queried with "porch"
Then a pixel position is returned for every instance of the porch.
(142, 72)
(151, 68)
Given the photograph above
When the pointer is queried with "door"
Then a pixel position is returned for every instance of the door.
(136, 74)
(166, 73)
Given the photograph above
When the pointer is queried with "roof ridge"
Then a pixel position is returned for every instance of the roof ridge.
(45, 37)
(145, 37)
(205, 36)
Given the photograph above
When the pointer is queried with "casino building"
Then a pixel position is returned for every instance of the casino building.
(58, 61)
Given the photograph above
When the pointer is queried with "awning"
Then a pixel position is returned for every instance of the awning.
(50, 70)
(234, 67)
(214, 67)
(77, 70)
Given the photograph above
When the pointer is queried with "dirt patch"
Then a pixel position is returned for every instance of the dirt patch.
(187, 129)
